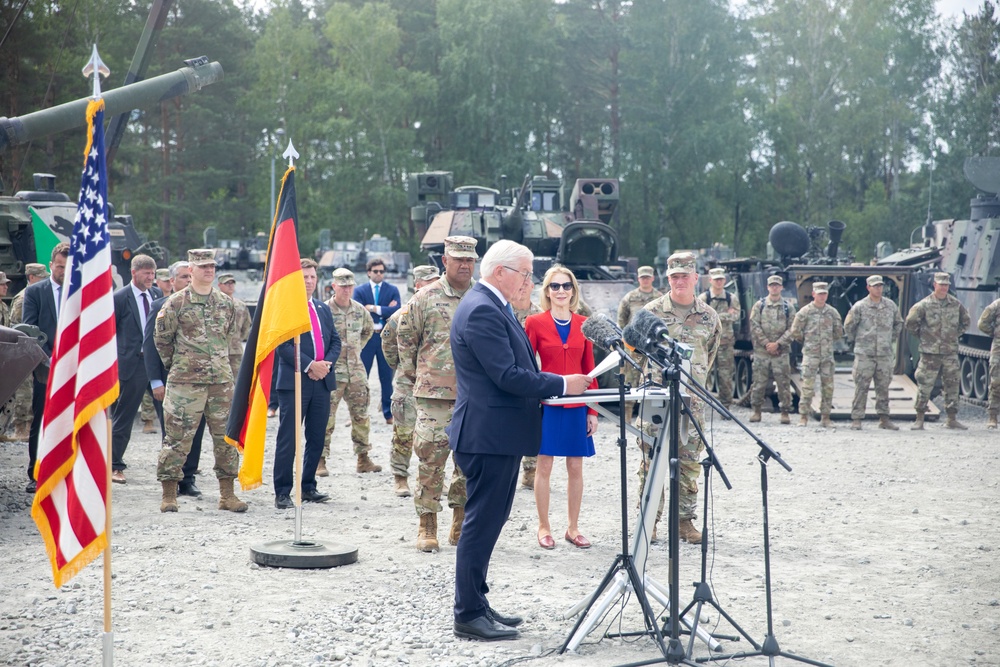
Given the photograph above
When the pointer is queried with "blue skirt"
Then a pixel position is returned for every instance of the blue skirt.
(564, 432)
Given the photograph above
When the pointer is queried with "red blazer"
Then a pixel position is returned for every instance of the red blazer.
(575, 356)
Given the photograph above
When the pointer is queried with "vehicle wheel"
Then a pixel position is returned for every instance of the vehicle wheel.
(744, 378)
(966, 372)
(981, 379)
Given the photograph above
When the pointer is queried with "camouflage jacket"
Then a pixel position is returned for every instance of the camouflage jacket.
(5, 315)
(817, 328)
(769, 320)
(700, 330)
(242, 319)
(197, 338)
(390, 350)
(17, 308)
(989, 324)
(873, 327)
(729, 322)
(355, 327)
(424, 340)
(938, 323)
(632, 302)
(522, 314)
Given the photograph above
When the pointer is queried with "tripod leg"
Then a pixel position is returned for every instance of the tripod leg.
(590, 618)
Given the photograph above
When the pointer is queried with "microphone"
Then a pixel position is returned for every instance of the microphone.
(602, 332)
(648, 334)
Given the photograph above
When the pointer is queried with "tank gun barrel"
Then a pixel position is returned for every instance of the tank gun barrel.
(22, 129)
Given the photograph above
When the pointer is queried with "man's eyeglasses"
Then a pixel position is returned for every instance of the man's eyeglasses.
(378, 271)
(526, 275)
(566, 287)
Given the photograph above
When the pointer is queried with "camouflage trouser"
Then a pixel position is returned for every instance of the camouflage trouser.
(930, 366)
(355, 394)
(22, 402)
(994, 383)
(725, 368)
(866, 368)
(766, 368)
(404, 417)
(529, 463)
(809, 368)
(430, 444)
(183, 406)
(691, 449)
(146, 410)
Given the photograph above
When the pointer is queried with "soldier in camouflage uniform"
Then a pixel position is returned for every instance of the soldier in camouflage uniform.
(4, 308)
(938, 321)
(727, 306)
(21, 421)
(770, 318)
(355, 327)
(425, 357)
(627, 307)
(818, 326)
(874, 324)
(404, 412)
(147, 411)
(528, 463)
(989, 324)
(690, 321)
(227, 285)
(196, 337)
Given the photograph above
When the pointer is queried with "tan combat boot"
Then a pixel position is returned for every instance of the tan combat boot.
(886, 423)
(365, 464)
(147, 426)
(991, 422)
(227, 498)
(457, 517)
(856, 424)
(918, 423)
(804, 420)
(688, 532)
(955, 424)
(169, 502)
(21, 431)
(402, 488)
(321, 470)
(528, 478)
(825, 421)
(755, 417)
(427, 539)
(785, 419)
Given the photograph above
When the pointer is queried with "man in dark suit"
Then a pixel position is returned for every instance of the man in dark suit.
(318, 352)
(132, 314)
(41, 309)
(381, 300)
(497, 420)
(180, 277)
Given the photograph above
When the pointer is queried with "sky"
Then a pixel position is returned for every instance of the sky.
(954, 8)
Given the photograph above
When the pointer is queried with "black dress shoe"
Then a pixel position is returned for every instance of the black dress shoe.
(509, 621)
(283, 502)
(31, 487)
(485, 629)
(314, 496)
(188, 489)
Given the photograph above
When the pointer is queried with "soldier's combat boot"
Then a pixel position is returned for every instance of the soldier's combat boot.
(365, 464)
(825, 421)
(457, 517)
(147, 426)
(991, 421)
(427, 534)
(785, 419)
(918, 423)
(886, 423)
(528, 478)
(856, 424)
(321, 470)
(688, 532)
(402, 488)
(804, 420)
(227, 499)
(955, 424)
(755, 417)
(169, 502)
(21, 431)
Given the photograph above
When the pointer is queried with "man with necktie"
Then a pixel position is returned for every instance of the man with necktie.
(318, 352)
(381, 300)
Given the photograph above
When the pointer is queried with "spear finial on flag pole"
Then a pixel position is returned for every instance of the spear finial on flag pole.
(290, 153)
(96, 67)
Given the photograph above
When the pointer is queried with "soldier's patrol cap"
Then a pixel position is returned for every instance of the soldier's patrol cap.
(226, 278)
(3, 278)
(646, 271)
(343, 277)
(775, 280)
(942, 278)
(716, 273)
(821, 288)
(163, 274)
(460, 246)
(874, 280)
(425, 272)
(201, 257)
(682, 262)
(34, 269)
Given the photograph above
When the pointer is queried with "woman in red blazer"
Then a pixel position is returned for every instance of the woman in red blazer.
(557, 338)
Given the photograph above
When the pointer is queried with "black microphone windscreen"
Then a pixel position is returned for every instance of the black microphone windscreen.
(600, 331)
(640, 329)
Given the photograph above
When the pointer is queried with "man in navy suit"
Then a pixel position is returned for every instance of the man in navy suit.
(381, 300)
(497, 420)
(132, 314)
(41, 309)
(318, 352)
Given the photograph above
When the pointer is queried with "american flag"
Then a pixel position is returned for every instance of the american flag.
(70, 505)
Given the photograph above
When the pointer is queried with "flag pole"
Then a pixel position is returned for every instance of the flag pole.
(109, 635)
(298, 440)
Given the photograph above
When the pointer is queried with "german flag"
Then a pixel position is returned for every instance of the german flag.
(282, 313)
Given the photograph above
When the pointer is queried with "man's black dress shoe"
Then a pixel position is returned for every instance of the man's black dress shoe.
(283, 502)
(188, 489)
(509, 621)
(314, 496)
(31, 487)
(485, 629)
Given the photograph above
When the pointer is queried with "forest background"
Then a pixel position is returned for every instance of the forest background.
(719, 120)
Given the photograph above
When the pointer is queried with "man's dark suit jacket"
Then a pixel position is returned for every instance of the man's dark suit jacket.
(307, 351)
(39, 309)
(150, 356)
(387, 293)
(128, 330)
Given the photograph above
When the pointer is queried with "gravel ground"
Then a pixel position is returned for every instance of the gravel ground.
(883, 552)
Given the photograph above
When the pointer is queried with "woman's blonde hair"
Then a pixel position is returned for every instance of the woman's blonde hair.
(574, 301)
